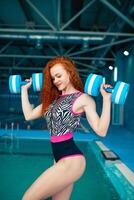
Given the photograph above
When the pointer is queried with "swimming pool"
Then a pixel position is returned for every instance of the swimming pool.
(23, 159)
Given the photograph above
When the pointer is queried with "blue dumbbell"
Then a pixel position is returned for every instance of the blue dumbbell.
(119, 92)
(15, 82)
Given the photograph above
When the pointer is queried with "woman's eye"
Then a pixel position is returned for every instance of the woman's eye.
(57, 77)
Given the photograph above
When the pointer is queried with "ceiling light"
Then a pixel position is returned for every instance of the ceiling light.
(126, 53)
(110, 67)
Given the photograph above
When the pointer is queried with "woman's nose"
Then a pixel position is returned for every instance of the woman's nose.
(55, 80)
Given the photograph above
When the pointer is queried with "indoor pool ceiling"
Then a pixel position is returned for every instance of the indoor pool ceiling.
(88, 31)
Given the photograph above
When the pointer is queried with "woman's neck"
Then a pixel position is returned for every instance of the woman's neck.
(69, 90)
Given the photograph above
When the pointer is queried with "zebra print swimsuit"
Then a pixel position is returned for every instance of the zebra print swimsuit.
(61, 122)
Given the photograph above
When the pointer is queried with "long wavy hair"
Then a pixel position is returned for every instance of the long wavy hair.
(49, 91)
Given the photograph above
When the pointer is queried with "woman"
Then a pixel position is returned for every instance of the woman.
(63, 102)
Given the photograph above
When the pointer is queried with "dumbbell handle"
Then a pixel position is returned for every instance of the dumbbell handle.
(24, 82)
(109, 90)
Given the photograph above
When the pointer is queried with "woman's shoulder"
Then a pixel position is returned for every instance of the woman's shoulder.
(85, 99)
(85, 96)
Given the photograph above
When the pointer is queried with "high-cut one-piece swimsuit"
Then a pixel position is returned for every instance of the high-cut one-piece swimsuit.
(61, 122)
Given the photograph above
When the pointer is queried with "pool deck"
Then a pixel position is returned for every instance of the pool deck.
(121, 141)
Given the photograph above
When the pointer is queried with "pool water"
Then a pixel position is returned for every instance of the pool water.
(23, 160)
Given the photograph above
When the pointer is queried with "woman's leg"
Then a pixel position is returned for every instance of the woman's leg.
(64, 194)
(56, 178)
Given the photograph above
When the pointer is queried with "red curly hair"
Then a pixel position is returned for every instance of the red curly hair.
(49, 91)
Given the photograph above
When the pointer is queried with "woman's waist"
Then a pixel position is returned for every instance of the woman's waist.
(66, 145)
(61, 138)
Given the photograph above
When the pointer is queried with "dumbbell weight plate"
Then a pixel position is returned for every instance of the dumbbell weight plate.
(37, 80)
(14, 83)
(92, 85)
(120, 93)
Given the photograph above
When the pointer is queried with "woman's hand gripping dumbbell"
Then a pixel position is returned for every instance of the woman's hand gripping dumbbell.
(15, 82)
(94, 85)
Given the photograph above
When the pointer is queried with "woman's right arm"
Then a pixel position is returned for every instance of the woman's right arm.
(29, 112)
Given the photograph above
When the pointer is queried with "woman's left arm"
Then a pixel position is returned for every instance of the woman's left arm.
(99, 124)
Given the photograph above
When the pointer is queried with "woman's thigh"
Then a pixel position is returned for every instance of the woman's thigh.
(64, 194)
(52, 181)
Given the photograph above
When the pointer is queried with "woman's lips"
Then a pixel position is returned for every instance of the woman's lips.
(58, 85)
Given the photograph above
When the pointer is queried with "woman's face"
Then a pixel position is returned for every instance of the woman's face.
(60, 77)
